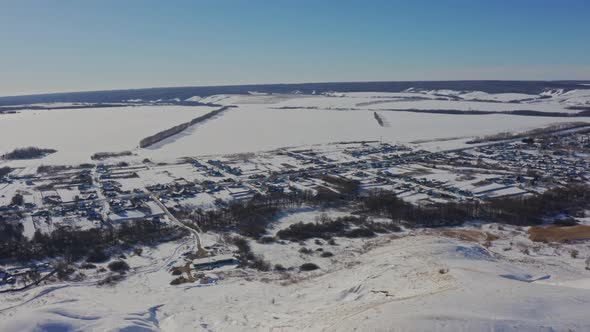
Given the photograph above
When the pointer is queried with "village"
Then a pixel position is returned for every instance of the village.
(115, 192)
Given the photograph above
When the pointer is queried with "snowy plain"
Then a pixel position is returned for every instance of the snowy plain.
(390, 283)
(78, 133)
(265, 122)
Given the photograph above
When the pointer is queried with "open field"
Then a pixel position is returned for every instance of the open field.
(77, 134)
(382, 284)
(259, 129)
(249, 166)
(336, 216)
(263, 122)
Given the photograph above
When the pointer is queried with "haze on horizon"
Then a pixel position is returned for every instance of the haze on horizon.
(59, 46)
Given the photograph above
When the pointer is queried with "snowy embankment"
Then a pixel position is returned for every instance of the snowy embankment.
(419, 281)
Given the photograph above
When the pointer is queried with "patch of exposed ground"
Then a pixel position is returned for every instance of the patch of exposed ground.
(558, 233)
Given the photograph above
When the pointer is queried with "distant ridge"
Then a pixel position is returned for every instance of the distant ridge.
(182, 93)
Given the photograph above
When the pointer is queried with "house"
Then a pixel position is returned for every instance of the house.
(40, 213)
(275, 188)
(54, 200)
(209, 263)
(6, 278)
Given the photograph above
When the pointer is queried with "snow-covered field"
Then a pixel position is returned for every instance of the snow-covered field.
(549, 101)
(263, 122)
(252, 128)
(477, 277)
(78, 133)
(389, 283)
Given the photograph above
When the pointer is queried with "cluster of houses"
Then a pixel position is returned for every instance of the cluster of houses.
(309, 158)
(119, 171)
(85, 209)
(545, 164)
(229, 169)
(9, 277)
(514, 168)
(70, 194)
(384, 148)
(177, 189)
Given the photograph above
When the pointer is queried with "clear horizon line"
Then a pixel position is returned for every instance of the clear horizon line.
(295, 83)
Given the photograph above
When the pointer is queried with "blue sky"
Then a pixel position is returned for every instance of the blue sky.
(74, 45)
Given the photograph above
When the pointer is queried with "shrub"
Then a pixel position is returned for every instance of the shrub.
(118, 266)
(308, 267)
(78, 277)
(64, 269)
(359, 232)
(5, 171)
(244, 249)
(110, 279)
(259, 264)
(87, 266)
(97, 256)
(301, 231)
(179, 280)
(332, 242)
(247, 257)
(266, 240)
(306, 251)
(327, 254)
(18, 199)
(280, 268)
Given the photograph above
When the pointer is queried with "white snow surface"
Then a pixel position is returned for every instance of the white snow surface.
(78, 133)
(386, 284)
(261, 122)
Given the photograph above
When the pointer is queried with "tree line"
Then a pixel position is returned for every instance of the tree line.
(74, 245)
(249, 218)
(252, 217)
(5, 171)
(162, 135)
(28, 153)
(326, 228)
(523, 211)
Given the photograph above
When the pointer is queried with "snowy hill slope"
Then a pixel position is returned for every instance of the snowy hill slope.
(387, 284)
